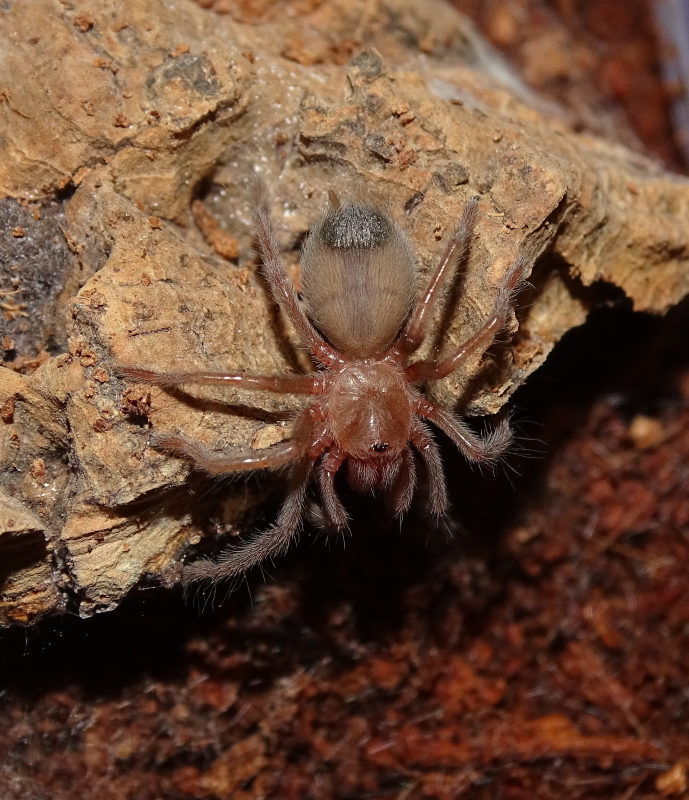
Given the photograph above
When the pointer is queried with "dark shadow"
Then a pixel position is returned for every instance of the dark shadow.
(219, 407)
(19, 552)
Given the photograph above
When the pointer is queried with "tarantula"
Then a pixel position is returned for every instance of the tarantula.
(361, 325)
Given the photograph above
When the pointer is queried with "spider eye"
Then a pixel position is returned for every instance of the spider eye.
(380, 447)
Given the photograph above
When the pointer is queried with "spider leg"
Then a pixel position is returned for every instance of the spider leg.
(308, 440)
(456, 251)
(273, 542)
(282, 287)
(399, 499)
(287, 384)
(422, 439)
(432, 370)
(307, 444)
(479, 450)
(215, 463)
(334, 510)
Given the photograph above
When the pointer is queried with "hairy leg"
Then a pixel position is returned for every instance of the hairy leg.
(308, 440)
(400, 497)
(486, 450)
(287, 384)
(270, 543)
(456, 251)
(281, 285)
(432, 370)
(335, 514)
(307, 443)
(218, 463)
(422, 439)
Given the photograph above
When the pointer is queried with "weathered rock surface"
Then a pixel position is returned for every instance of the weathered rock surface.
(130, 112)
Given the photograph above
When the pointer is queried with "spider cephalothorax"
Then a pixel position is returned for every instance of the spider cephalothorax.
(361, 324)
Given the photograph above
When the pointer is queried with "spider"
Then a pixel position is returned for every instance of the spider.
(361, 324)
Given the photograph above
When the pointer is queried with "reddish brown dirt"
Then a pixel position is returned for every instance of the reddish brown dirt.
(591, 55)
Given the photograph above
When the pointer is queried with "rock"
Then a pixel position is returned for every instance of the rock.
(176, 105)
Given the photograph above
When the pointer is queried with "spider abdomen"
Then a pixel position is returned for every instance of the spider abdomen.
(359, 278)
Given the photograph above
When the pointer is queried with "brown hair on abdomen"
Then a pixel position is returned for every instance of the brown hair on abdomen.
(359, 278)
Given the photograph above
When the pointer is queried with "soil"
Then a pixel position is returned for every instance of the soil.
(594, 56)
(536, 647)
